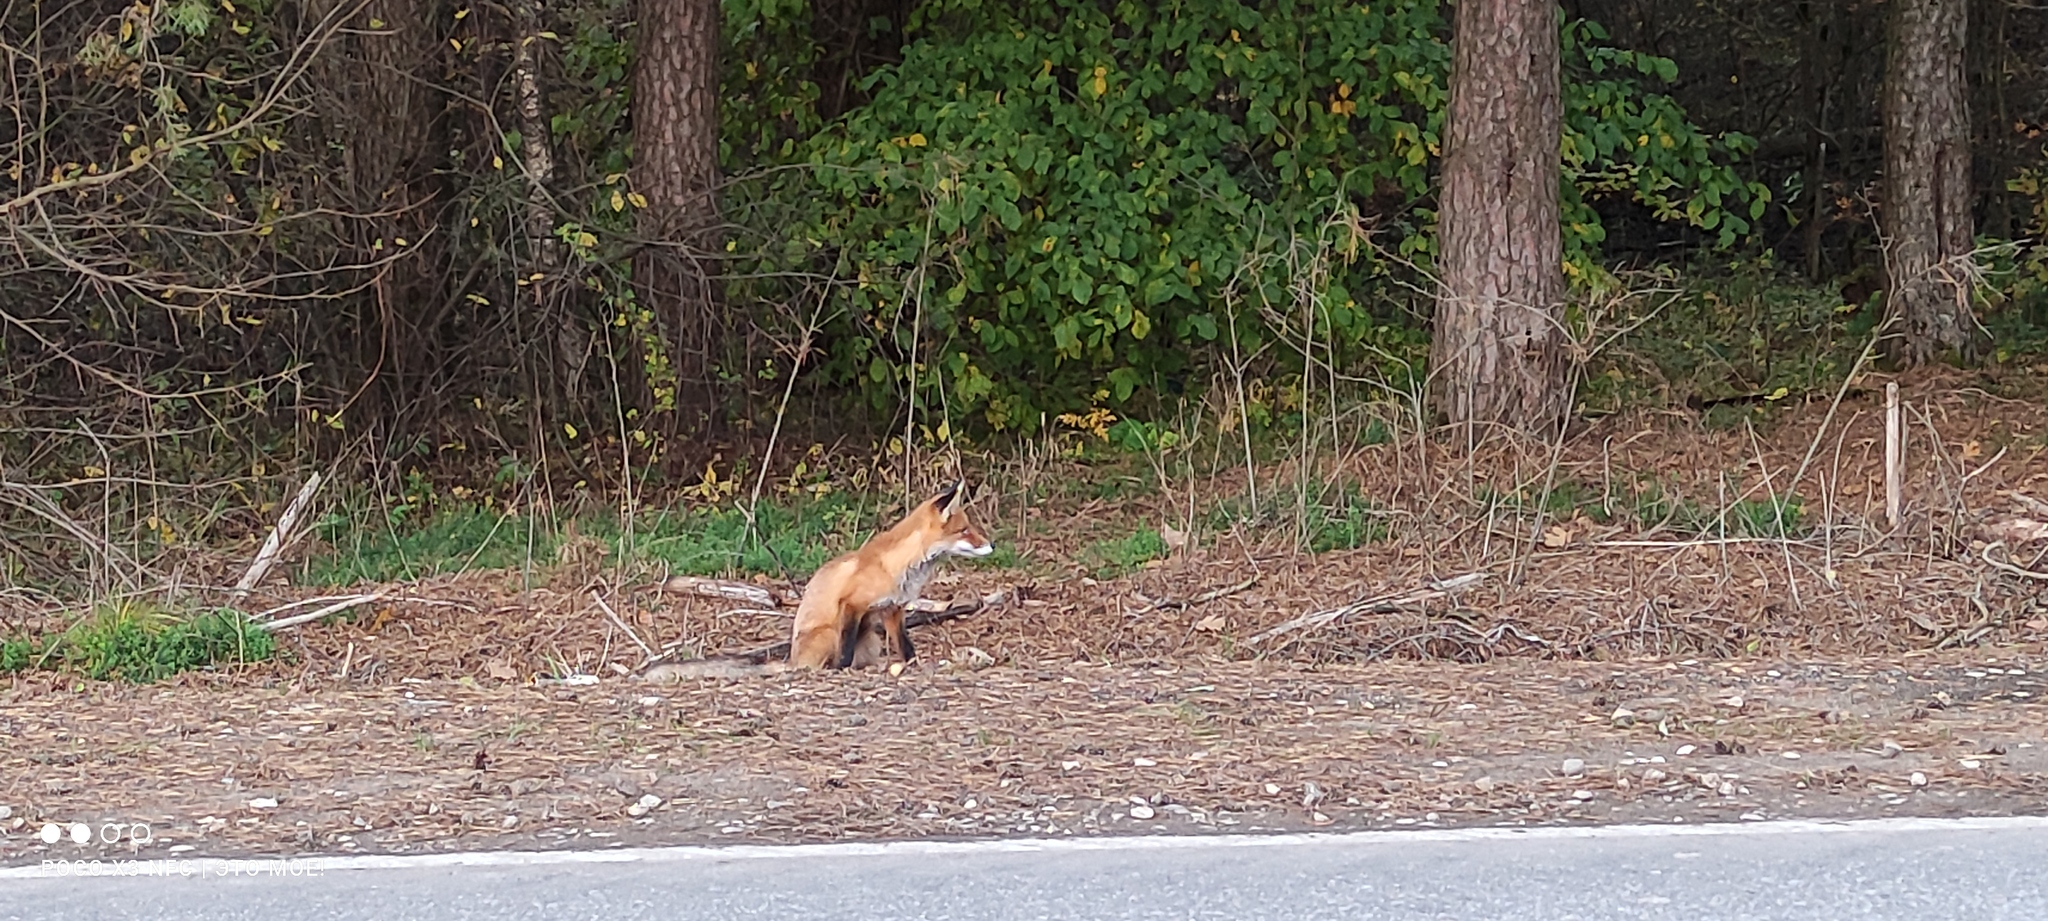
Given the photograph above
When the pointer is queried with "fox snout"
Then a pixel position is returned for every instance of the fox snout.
(971, 544)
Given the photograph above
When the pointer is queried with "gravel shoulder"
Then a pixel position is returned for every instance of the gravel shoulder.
(1078, 749)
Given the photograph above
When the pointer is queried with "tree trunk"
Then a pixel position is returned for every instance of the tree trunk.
(1991, 53)
(1814, 79)
(537, 164)
(1498, 349)
(1927, 196)
(675, 165)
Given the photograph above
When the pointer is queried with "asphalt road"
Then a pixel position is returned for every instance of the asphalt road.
(1982, 869)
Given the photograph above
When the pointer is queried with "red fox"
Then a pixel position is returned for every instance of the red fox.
(852, 610)
(851, 614)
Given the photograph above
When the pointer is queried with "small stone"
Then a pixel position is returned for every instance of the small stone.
(1918, 779)
(1582, 795)
(1141, 812)
(509, 821)
(1735, 703)
(1573, 767)
(1653, 776)
(1070, 765)
(1752, 817)
(1272, 789)
(1144, 762)
(968, 804)
(1684, 750)
(1892, 749)
(1483, 785)
(650, 801)
(263, 802)
(1971, 764)
(1789, 756)
(1622, 716)
(6, 812)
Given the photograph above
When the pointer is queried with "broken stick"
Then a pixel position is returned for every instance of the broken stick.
(279, 537)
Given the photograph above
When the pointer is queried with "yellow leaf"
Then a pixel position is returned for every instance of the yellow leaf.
(638, 200)
(586, 239)
(461, 14)
(401, 241)
(91, 470)
(497, 162)
(1556, 536)
(456, 42)
(376, 23)
(1233, 36)
(618, 201)
(1972, 450)
(570, 429)
(917, 139)
(1101, 80)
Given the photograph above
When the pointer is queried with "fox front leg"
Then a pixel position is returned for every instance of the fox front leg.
(849, 641)
(903, 640)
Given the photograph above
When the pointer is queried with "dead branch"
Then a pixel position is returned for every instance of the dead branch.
(1161, 604)
(280, 536)
(2025, 501)
(1378, 604)
(616, 622)
(920, 615)
(724, 589)
(310, 616)
(2016, 570)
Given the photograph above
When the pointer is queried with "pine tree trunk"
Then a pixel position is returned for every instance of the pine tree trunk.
(675, 165)
(1927, 196)
(1497, 352)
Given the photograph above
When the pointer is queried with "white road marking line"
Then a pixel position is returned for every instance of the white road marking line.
(271, 866)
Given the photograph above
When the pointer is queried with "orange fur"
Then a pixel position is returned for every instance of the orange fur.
(852, 610)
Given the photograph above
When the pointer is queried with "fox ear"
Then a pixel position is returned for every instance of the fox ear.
(948, 498)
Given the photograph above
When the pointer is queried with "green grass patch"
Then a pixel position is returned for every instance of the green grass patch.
(792, 540)
(785, 540)
(1347, 524)
(1112, 558)
(451, 539)
(142, 644)
(1779, 517)
(1565, 500)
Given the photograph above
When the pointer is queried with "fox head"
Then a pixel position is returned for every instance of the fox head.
(957, 535)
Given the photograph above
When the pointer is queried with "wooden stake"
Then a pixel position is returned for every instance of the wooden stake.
(1894, 454)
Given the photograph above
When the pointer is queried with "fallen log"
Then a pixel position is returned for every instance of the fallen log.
(921, 613)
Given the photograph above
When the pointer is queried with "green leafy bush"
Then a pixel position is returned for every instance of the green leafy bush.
(1049, 197)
